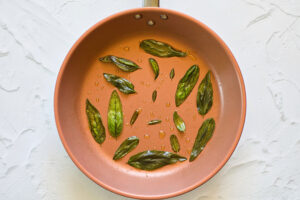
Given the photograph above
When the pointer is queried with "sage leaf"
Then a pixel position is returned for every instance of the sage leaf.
(122, 63)
(160, 49)
(156, 121)
(122, 84)
(135, 116)
(172, 73)
(174, 143)
(205, 95)
(154, 95)
(127, 146)
(152, 159)
(186, 84)
(205, 132)
(154, 66)
(95, 122)
(115, 115)
(178, 121)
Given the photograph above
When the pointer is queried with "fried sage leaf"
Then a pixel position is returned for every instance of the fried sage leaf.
(178, 121)
(152, 159)
(135, 116)
(154, 66)
(155, 121)
(122, 84)
(174, 143)
(115, 115)
(172, 73)
(95, 123)
(154, 95)
(160, 49)
(205, 132)
(128, 145)
(205, 95)
(186, 84)
(122, 63)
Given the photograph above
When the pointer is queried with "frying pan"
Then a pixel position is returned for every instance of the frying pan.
(81, 78)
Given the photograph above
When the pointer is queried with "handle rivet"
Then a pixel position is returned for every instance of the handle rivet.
(150, 22)
(138, 16)
(164, 16)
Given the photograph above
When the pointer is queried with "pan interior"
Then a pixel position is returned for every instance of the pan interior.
(83, 79)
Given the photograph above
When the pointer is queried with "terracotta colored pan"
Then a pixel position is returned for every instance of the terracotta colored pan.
(81, 77)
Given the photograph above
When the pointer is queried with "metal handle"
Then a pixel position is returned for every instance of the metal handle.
(151, 3)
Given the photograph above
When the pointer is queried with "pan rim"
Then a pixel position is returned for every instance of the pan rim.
(200, 182)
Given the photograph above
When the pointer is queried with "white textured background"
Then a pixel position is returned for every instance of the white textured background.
(35, 36)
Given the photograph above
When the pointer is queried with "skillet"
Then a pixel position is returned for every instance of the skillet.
(81, 77)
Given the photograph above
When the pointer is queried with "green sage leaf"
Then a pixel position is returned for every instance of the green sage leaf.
(154, 95)
(205, 132)
(154, 66)
(156, 121)
(172, 73)
(115, 115)
(178, 121)
(205, 95)
(135, 116)
(95, 123)
(160, 49)
(122, 84)
(122, 63)
(152, 159)
(186, 84)
(127, 146)
(174, 143)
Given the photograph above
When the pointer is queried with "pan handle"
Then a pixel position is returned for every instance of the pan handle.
(151, 3)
